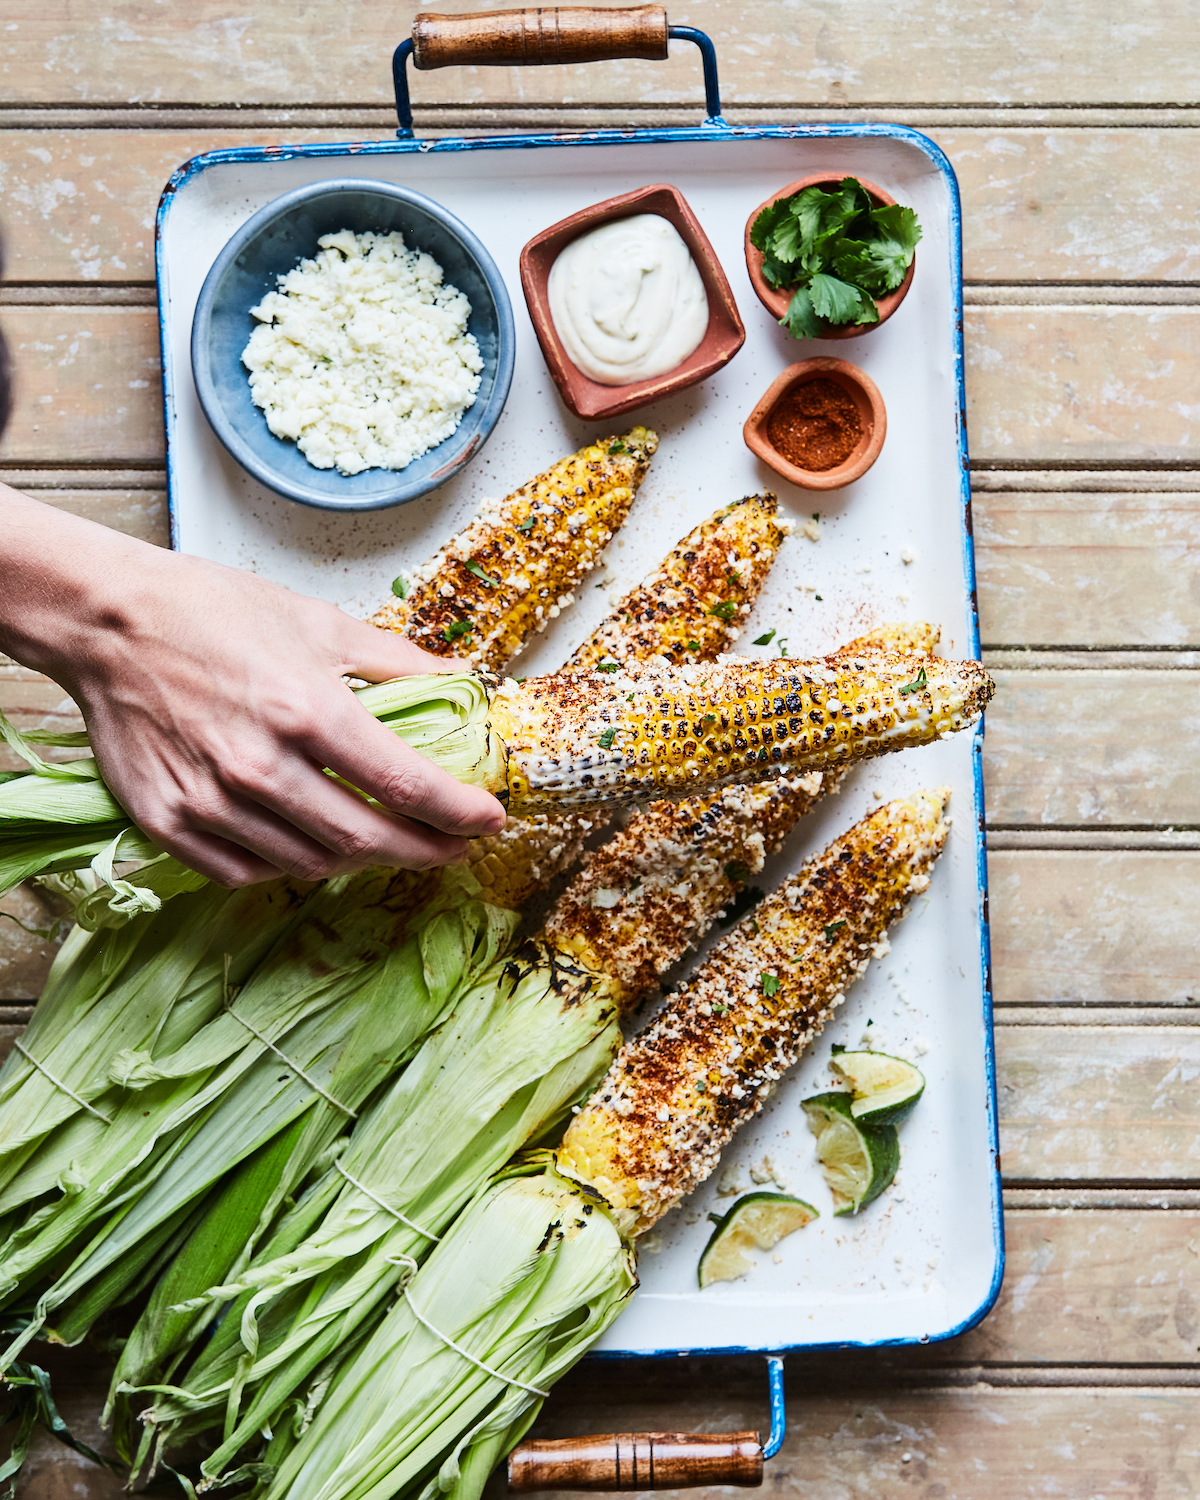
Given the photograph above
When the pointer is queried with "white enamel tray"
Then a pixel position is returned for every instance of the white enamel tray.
(923, 1262)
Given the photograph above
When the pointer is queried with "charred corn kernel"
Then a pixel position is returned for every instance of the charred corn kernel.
(657, 887)
(676, 1093)
(693, 606)
(688, 609)
(527, 854)
(489, 589)
(579, 740)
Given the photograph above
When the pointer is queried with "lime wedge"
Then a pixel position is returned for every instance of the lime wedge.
(760, 1219)
(858, 1160)
(885, 1088)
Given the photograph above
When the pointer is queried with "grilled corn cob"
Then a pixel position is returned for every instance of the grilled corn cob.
(511, 571)
(580, 739)
(680, 612)
(655, 1127)
(691, 608)
(655, 888)
(659, 884)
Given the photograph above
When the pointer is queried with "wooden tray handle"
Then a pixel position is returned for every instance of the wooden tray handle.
(638, 1461)
(579, 34)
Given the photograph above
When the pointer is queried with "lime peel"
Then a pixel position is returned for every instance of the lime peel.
(858, 1160)
(758, 1220)
(885, 1088)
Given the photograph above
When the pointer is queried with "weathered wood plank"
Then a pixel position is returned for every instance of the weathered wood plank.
(1088, 928)
(79, 205)
(1109, 1103)
(1061, 205)
(25, 956)
(1111, 383)
(1105, 747)
(276, 52)
(1088, 569)
(1038, 204)
(1092, 1288)
(865, 1438)
(1043, 384)
(88, 386)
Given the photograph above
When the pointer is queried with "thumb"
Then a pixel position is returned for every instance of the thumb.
(379, 655)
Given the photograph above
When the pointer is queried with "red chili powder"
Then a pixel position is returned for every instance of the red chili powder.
(816, 426)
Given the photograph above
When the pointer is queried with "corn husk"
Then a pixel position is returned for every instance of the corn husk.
(345, 999)
(521, 1045)
(142, 990)
(527, 1279)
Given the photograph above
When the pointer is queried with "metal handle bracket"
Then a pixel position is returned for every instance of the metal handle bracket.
(708, 58)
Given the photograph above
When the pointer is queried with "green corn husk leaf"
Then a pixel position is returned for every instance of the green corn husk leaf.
(344, 998)
(59, 817)
(503, 1068)
(144, 989)
(527, 1279)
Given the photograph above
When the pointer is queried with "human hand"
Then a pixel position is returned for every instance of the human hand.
(214, 701)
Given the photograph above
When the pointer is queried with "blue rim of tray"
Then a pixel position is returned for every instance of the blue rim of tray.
(713, 132)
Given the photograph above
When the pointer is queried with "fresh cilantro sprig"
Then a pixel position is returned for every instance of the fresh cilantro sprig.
(837, 251)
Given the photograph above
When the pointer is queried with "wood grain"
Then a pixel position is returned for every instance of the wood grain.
(1110, 383)
(1093, 749)
(638, 1461)
(1088, 569)
(536, 36)
(1092, 1288)
(1109, 1104)
(1085, 928)
(88, 385)
(1075, 204)
(25, 956)
(867, 1438)
(297, 51)
(1044, 384)
(1057, 205)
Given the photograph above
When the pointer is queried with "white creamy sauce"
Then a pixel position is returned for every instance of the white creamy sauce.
(627, 300)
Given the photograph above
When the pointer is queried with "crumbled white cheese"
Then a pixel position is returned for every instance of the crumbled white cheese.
(811, 530)
(362, 356)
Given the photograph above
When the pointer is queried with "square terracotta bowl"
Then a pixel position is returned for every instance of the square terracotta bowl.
(725, 336)
(861, 389)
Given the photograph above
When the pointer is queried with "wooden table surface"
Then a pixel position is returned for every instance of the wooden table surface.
(1073, 129)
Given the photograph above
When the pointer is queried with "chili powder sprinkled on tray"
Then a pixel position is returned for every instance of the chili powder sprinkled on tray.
(815, 426)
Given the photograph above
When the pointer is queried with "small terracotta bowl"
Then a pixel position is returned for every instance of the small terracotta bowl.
(725, 335)
(776, 302)
(861, 389)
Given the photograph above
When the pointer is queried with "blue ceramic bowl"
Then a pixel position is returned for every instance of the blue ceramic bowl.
(276, 239)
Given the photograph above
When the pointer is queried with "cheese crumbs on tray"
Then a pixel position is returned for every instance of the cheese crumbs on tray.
(362, 356)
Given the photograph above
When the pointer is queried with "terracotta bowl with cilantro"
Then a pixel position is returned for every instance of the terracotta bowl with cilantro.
(860, 241)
